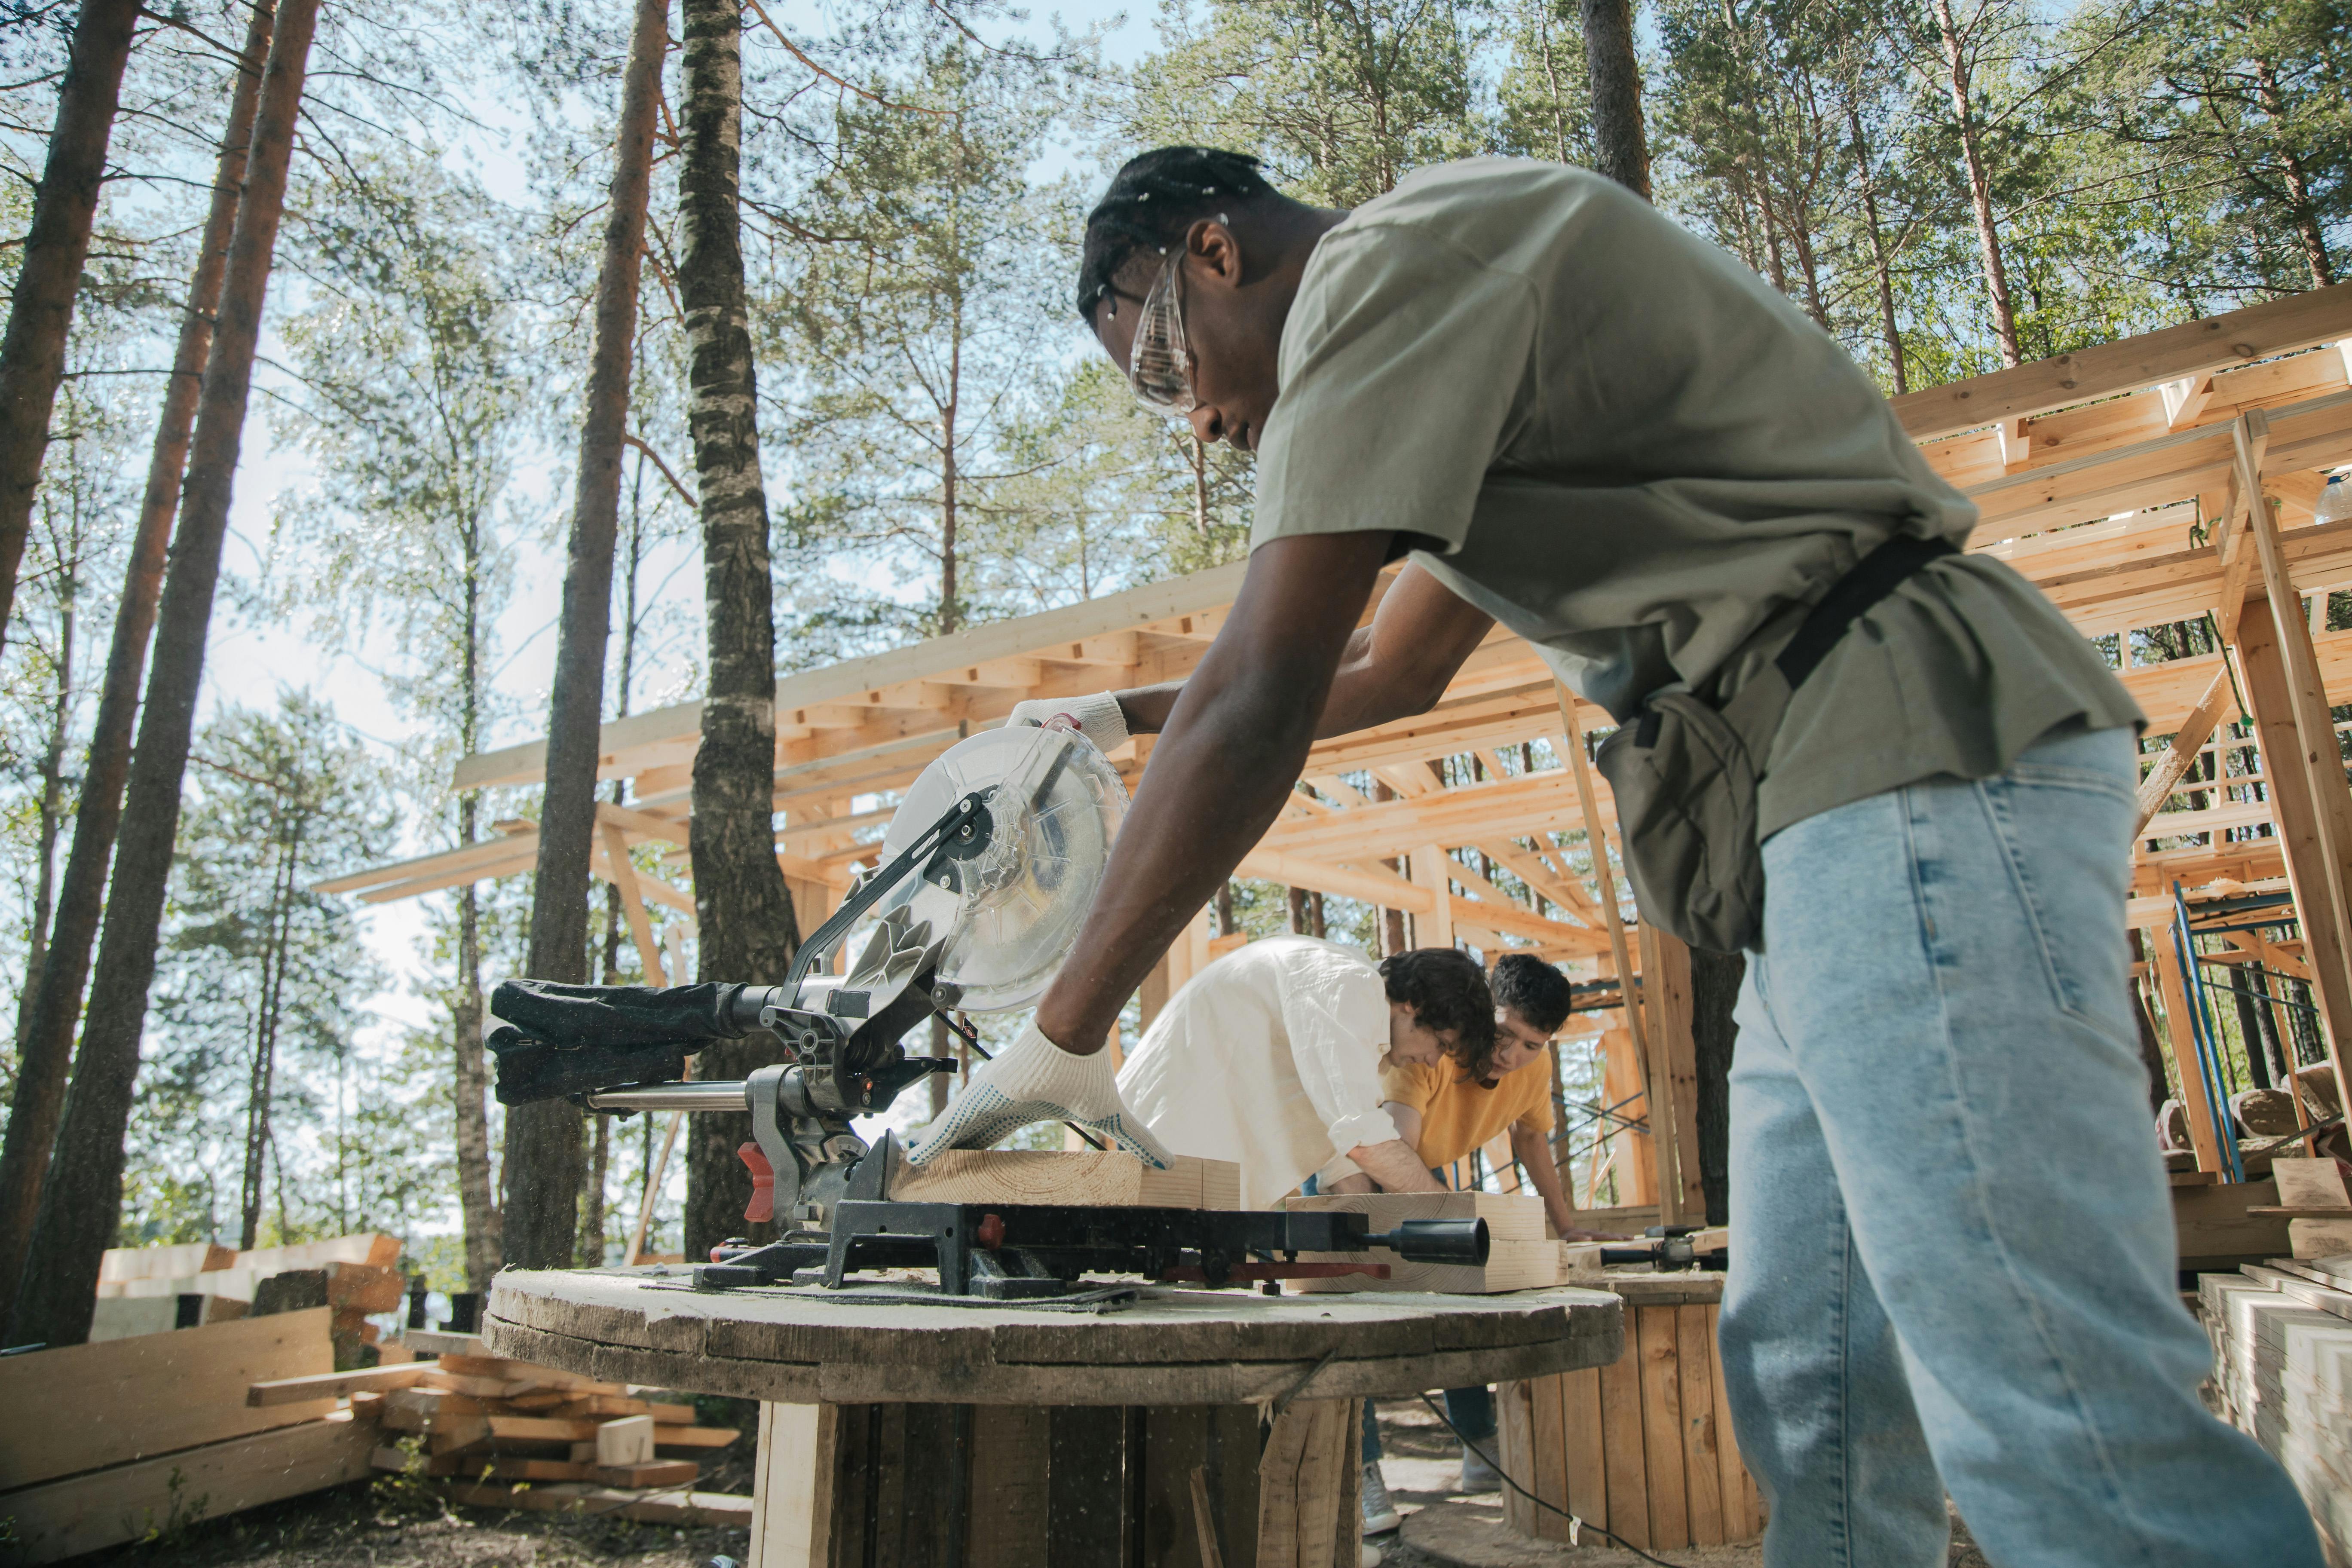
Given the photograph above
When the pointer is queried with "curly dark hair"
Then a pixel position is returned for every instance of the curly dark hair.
(1447, 992)
(1153, 200)
(1533, 989)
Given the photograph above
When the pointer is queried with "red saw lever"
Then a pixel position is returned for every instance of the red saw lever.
(762, 1207)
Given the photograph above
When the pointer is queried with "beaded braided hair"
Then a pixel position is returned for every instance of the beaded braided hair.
(1153, 200)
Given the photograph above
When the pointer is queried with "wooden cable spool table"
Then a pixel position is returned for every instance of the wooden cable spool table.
(1181, 1429)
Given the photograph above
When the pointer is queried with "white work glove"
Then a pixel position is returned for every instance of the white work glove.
(1033, 1079)
(1096, 716)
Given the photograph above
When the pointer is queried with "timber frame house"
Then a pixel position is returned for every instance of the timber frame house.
(2172, 477)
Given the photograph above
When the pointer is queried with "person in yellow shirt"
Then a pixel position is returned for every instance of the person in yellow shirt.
(1447, 1108)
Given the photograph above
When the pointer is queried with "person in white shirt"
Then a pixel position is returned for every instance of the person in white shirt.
(1272, 1055)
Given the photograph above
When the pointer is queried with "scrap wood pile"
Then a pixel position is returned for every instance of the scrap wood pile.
(2282, 1374)
(125, 1438)
(484, 1424)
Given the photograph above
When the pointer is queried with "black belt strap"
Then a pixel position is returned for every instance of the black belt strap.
(1874, 577)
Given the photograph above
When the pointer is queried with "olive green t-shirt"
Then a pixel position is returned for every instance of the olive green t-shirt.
(1631, 450)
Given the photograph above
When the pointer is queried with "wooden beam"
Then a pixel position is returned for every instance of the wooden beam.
(1666, 988)
(1431, 869)
(2186, 398)
(2176, 758)
(2304, 761)
(2259, 331)
(1597, 840)
(2180, 1039)
(632, 903)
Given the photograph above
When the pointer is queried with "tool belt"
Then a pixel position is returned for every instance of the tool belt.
(1686, 772)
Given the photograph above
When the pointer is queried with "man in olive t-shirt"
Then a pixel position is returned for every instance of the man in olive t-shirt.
(1952, 1249)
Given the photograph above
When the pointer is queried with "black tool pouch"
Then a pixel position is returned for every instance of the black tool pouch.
(1686, 772)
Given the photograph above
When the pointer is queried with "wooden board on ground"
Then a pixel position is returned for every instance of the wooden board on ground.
(122, 1263)
(106, 1508)
(364, 1246)
(125, 1399)
(335, 1384)
(1098, 1179)
(723, 1509)
(123, 1318)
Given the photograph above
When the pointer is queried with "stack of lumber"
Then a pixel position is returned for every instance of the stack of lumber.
(2282, 1338)
(111, 1441)
(483, 1419)
(1520, 1257)
(146, 1290)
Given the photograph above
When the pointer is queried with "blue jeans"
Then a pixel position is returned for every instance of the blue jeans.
(1955, 1261)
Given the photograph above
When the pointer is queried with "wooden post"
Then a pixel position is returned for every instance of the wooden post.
(2302, 758)
(1622, 1082)
(1434, 928)
(1666, 976)
(2180, 1039)
(1596, 839)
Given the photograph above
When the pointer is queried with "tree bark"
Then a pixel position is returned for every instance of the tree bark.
(53, 803)
(82, 1203)
(544, 1154)
(1621, 143)
(52, 1006)
(1878, 258)
(741, 907)
(2308, 230)
(65, 205)
(1716, 979)
(469, 1082)
(1957, 79)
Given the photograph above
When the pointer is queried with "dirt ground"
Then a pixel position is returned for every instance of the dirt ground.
(394, 1522)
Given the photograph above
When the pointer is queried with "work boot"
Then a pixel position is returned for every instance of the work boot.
(1379, 1515)
(1477, 1475)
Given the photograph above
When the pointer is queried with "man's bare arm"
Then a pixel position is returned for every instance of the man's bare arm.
(1408, 1123)
(1234, 744)
(1396, 667)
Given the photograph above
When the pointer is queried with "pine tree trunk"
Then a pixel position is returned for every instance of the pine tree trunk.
(64, 205)
(1879, 266)
(1620, 142)
(52, 1006)
(742, 910)
(544, 1154)
(1957, 79)
(2307, 229)
(53, 810)
(82, 1203)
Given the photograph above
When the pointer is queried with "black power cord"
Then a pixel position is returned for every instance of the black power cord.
(1575, 1523)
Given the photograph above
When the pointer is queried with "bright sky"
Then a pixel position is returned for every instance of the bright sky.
(251, 662)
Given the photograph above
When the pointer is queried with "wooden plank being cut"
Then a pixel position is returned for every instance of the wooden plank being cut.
(130, 1398)
(107, 1507)
(1096, 1179)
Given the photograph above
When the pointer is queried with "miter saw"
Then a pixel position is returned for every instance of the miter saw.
(989, 866)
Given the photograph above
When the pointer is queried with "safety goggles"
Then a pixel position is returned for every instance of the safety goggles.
(1160, 364)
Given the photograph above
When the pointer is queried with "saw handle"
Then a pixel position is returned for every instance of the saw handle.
(1436, 1240)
